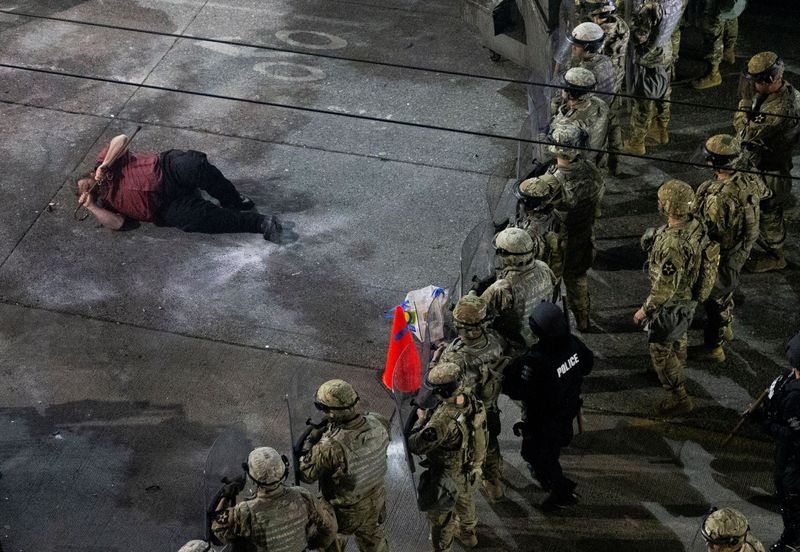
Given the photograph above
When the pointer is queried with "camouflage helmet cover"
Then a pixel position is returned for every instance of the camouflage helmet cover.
(266, 467)
(444, 373)
(721, 149)
(598, 7)
(726, 527)
(470, 310)
(336, 394)
(566, 137)
(195, 546)
(765, 67)
(580, 77)
(538, 192)
(676, 197)
(588, 35)
(513, 241)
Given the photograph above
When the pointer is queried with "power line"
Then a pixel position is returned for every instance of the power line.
(370, 118)
(373, 62)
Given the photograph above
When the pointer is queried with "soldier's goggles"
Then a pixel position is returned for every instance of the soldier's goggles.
(325, 408)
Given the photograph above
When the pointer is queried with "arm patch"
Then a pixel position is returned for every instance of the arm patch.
(668, 269)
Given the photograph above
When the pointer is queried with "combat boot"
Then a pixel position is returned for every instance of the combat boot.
(711, 79)
(468, 538)
(676, 403)
(492, 489)
(766, 262)
(658, 133)
(729, 55)
(582, 320)
(707, 353)
(727, 332)
(633, 147)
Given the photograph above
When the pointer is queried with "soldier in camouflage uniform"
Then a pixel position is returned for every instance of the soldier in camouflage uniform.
(446, 436)
(770, 127)
(719, 43)
(536, 215)
(578, 105)
(727, 530)
(674, 256)
(587, 41)
(348, 458)
(650, 115)
(580, 188)
(522, 282)
(728, 205)
(279, 518)
(478, 351)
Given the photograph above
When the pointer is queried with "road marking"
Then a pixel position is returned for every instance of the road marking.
(272, 69)
(332, 42)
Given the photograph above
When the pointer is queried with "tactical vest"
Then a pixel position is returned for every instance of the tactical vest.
(712, 194)
(278, 524)
(481, 366)
(531, 285)
(543, 228)
(590, 114)
(365, 454)
(470, 452)
(582, 188)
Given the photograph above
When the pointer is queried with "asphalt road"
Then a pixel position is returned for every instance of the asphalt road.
(123, 356)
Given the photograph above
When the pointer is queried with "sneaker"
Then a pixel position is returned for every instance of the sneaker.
(271, 229)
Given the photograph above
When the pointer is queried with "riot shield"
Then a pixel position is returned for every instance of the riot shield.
(731, 9)
(501, 206)
(223, 465)
(568, 18)
(477, 260)
(673, 11)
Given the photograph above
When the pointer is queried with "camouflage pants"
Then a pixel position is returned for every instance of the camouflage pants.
(772, 228)
(675, 39)
(669, 361)
(578, 292)
(718, 34)
(494, 460)
(644, 112)
(719, 305)
(366, 521)
(444, 524)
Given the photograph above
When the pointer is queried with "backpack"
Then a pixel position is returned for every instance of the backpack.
(707, 265)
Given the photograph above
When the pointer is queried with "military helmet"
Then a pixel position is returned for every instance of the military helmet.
(720, 150)
(566, 137)
(444, 379)
(335, 394)
(266, 467)
(195, 546)
(513, 241)
(599, 7)
(725, 527)
(793, 351)
(676, 197)
(537, 192)
(578, 82)
(470, 310)
(587, 35)
(548, 321)
(764, 67)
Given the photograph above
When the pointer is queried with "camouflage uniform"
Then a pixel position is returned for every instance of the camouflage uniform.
(728, 530)
(349, 461)
(581, 187)
(592, 115)
(728, 205)
(773, 139)
(616, 47)
(647, 113)
(542, 223)
(673, 257)
(195, 546)
(522, 282)
(443, 437)
(279, 518)
(719, 35)
(479, 354)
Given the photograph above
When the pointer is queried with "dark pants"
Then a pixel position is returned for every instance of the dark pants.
(185, 174)
(541, 448)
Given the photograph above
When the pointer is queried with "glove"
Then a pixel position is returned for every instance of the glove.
(233, 488)
(518, 427)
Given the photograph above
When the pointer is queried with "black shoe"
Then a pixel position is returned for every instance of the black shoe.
(556, 501)
(271, 229)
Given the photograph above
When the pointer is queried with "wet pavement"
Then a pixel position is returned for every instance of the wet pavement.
(125, 355)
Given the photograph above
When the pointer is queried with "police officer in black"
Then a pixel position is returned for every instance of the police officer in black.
(780, 419)
(547, 379)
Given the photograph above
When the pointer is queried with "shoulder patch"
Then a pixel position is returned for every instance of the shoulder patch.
(668, 269)
(429, 434)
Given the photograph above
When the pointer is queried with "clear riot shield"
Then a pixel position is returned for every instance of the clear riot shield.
(569, 17)
(732, 9)
(501, 206)
(477, 261)
(223, 465)
(673, 11)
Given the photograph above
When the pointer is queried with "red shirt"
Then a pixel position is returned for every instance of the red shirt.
(133, 185)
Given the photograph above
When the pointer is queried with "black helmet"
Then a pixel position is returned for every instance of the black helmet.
(548, 320)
